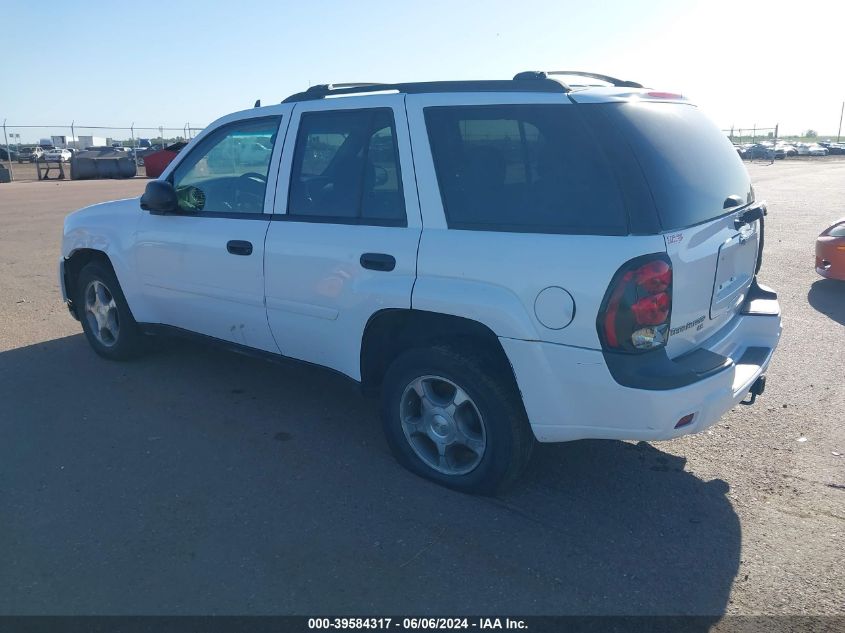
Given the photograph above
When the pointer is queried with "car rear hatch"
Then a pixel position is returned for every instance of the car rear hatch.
(705, 209)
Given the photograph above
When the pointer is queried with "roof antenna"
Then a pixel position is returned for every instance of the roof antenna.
(257, 103)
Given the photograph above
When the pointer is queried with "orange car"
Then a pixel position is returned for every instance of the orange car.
(830, 251)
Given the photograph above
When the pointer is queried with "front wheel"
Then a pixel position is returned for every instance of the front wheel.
(106, 319)
(456, 419)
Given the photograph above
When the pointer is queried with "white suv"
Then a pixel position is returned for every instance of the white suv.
(499, 260)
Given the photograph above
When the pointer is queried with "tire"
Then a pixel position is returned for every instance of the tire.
(120, 337)
(493, 416)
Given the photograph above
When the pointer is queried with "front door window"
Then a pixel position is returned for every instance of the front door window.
(227, 171)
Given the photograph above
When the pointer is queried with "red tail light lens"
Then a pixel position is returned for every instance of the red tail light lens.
(654, 276)
(637, 306)
(685, 420)
(651, 310)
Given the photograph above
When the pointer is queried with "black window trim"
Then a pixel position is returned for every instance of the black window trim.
(331, 219)
(231, 215)
(287, 216)
(506, 228)
(225, 215)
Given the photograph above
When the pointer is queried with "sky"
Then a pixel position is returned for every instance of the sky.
(152, 63)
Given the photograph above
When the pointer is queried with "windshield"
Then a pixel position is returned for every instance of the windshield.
(690, 165)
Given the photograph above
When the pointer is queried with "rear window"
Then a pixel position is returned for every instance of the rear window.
(690, 165)
(837, 231)
(523, 168)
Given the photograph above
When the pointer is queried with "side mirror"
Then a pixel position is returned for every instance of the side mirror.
(159, 198)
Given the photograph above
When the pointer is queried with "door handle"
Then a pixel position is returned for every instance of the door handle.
(239, 247)
(378, 261)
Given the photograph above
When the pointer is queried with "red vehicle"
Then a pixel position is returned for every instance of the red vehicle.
(156, 162)
(830, 251)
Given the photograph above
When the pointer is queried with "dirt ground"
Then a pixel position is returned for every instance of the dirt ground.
(196, 481)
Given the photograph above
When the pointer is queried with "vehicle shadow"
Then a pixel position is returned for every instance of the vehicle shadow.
(194, 481)
(828, 297)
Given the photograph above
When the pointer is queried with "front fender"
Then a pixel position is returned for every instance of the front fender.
(109, 228)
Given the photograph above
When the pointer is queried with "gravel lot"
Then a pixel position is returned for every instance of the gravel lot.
(197, 481)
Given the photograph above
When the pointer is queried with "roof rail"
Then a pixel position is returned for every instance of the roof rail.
(539, 74)
(496, 85)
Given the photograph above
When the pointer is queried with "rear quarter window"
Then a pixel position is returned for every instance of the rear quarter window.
(523, 168)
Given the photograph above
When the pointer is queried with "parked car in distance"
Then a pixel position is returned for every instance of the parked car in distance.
(811, 149)
(157, 161)
(788, 149)
(830, 251)
(30, 154)
(8, 153)
(488, 258)
(57, 155)
(140, 153)
(761, 151)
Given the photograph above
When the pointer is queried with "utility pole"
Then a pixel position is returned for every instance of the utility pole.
(841, 111)
(8, 152)
(775, 146)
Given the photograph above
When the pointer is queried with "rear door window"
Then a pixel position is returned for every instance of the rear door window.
(523, 168)
(346, 169)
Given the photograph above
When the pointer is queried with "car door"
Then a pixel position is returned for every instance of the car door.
(202, 269)
(343, 241)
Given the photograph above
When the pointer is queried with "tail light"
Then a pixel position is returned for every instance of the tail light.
(634, 315)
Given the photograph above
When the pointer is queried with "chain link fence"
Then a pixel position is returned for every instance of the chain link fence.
(22, 144)
(754, 143)
(753, 134)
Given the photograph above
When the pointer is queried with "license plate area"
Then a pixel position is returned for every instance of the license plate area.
(734, 271)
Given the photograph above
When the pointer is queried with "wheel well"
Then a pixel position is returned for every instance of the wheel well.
(76, 262)
(393, 331)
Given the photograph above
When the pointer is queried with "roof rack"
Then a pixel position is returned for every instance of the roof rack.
(540, 74)
(517, 84)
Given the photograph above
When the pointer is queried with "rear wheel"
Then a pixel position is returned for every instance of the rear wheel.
(106, 320)
(449, 418)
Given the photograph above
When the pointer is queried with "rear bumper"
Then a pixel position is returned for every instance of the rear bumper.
(828, 271)
(830, 261)
(570, 393)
